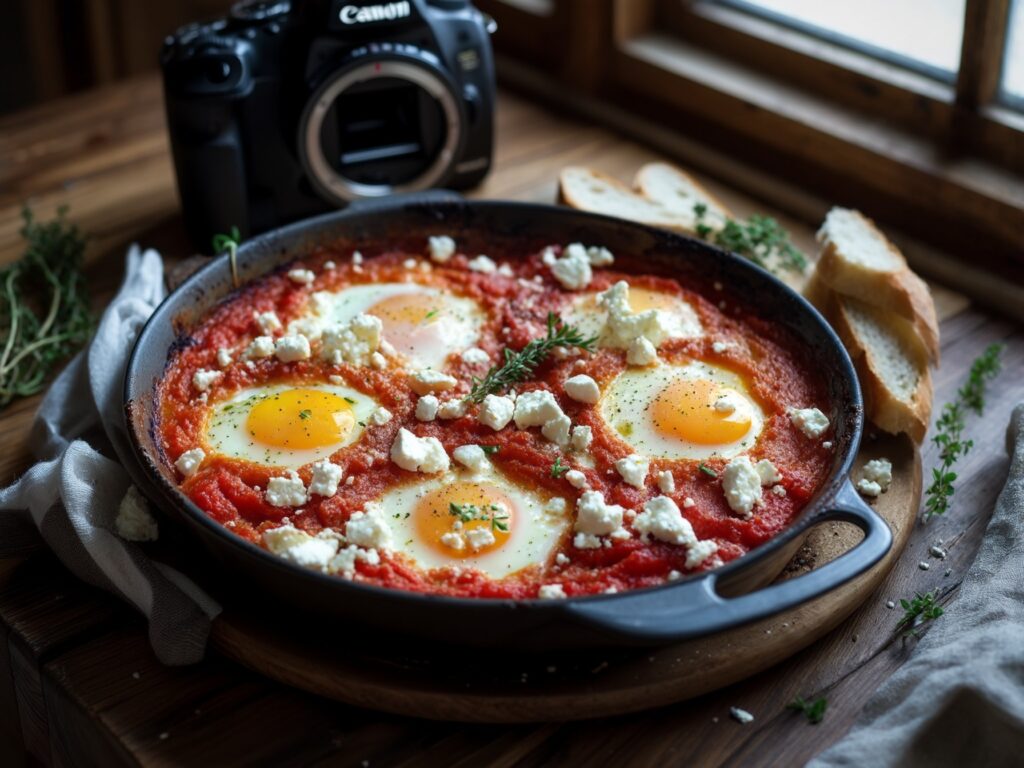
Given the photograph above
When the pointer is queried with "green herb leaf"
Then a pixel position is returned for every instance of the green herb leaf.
(922, 609)
(521, 365)
(44, 307)
(229, 243)
(707, 470)
(490, 450)
(759, 239)
(465, 512)
(950, 426)
(558, 468)
(498, 523)
(814, 710)
(305, 414)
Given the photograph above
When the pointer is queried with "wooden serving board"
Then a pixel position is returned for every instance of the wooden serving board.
(467, 685)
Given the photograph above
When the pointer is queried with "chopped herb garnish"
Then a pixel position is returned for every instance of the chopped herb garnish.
(921, 609)
(430, 314)
(950, 426)
(465, 512)
(490, 450)
(229, 243)
(349, 400)
(520, 365)
(757, 239)
(498, 522)
(558, 468)
(814, 710)
(305, 414)
(37, 336)
(707, 470)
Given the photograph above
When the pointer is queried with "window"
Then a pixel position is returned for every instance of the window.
(1012, 91)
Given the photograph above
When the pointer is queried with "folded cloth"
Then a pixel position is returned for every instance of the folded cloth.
(959, 700)
(72, 495)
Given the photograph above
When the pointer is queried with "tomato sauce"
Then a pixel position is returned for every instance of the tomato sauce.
(776, 372)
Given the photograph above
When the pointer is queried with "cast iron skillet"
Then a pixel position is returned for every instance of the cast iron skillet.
(688, 608)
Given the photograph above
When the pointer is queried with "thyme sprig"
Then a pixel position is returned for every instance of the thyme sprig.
(521, 365)
(37, 335)
(229, 243)
(758, 238)
(558, 468)
(814, 710)
(921, 609)
(950, 426)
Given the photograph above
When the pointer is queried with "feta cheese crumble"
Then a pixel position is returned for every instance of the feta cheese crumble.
(418, 454)
(483, 264)
(666, 482)
(582, 437)
(623, 327)
(551, 592)
(742, 485)
(289, 349)
(572, 269)
(426, 381)
(496, 412)
(633, 469)
(452, 409)
(662, 519)
(582, 389)
(426, 408)
(441, 248)
(352, 342)
(260, 347)
(536, 408)
(368, 528)
(286, 491)
(298, 547)
(188, 463)
(268, 322)
(326, 477)
(767, 472)
(380, 416)
(595, 518)
(472, 457)
(810, 421)
(301, 276)
(224, 357)
(203, 379)
(877, 476)
(557, 430)
(475, 356)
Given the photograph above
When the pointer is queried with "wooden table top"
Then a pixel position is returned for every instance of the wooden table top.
(81, 685)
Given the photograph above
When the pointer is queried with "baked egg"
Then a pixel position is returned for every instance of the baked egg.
(679, 318)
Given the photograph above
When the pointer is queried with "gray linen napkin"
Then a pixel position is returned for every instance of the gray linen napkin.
(959, 700)
(71, 496)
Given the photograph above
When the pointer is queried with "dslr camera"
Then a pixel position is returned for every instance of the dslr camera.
(283, 109)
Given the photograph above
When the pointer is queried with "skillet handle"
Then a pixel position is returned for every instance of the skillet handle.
(694, 607)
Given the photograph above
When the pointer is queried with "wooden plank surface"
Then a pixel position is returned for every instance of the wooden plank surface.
(81, 684)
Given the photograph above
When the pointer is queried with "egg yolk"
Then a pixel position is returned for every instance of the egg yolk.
(449, 515)
(300, 419)
(641, 300)
(686, 410)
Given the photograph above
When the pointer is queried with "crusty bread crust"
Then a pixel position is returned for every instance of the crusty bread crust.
(577, 188)
(897, 290)
(884, 407)
(646, 182)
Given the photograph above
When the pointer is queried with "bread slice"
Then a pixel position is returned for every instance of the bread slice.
(891, 363)
(593, 191)
(857, 260)
(679, 192)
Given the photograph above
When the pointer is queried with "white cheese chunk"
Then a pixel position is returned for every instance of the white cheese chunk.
(224, 357)
(582, 389)
(666, 482)
(623, 326)
(572, 269)
(582, 437)
(688, 503)
(260, 347)
(426, 408)
(326, 477)
(496, 412)
(441, 248)
(426, 381)
(742, 485)
(641, 353)
(662, 519)
(369, 528)
(600, 256)
(810, 421)
(478, 538)
(453, 540)
(286, 491)
(188, 463)
(698, 553)
(452, 409)
(557, 430)
(472, 457)
(475, 356)
(134, 521)
(536, 408)
(352, 342)
(203, 379)
(594, 517)
(869, 487)
(378, 362)
(767, 472)
(633, 469)
(301, 276)
(345, 561)
(778, 490)
(576, 479)
(295, 546)
(380, 415)
(289, 349)
(268, 322)
(556, 505)
(551, 592)
(482, 264)
(418, 454)
(879, 471)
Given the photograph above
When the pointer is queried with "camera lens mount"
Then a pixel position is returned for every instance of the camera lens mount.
(385, 122)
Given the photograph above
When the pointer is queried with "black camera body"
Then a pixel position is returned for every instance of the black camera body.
(277, 113)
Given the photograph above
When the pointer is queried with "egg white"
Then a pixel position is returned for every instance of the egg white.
(533, 536)
(453, 326)
(224, 433)
(628, 399)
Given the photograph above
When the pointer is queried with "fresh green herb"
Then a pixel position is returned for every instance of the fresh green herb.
(498, 523)
(429, 314)
(470, 512)
(558, 468)
(37, 335)
(921, 609)
(465, 512)
(349, 400)
(950, 426)
(814, 710)
(707, 470)
(305, 414)
(229, 243)
(758, 239)
(490, 450)
(520, 365)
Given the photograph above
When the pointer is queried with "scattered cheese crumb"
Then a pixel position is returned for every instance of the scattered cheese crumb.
(698, 553)
(288, 349)
(810, 421)
(345, 561)
(767, 472)
(478, 538)
(268, 322)
(641, 353)
(301, 276)
(688, 503)
(295, 546)
(418, 454)
(441, 248)
(378, 362)
(260, 347)
(633, 469)
(286, 491)
(224, 357)
(203, 379)
(536, 408)
(369, 528)
(582, 389)
(427, 380)
(879, 471)
(562, 559)
(869, 488)
(452, 409)
(426, 408)
(352, 342)
(326, 477)
(666, 482)
(742, 485)
(496, 412)
(329, 265)
(572, 270)
(472, 457)
(778, 490)
(582, 437)
(188, 463)
(576, 479)
(557, 430)
(594, 518)
(741, 715)
(662, 519)
(551, 592)
(380, 415)
(482, 264)
(453, 540)
(134, 521)
(475, 356)
(719, 347)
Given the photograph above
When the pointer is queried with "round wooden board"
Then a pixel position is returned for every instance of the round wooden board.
(480, 686)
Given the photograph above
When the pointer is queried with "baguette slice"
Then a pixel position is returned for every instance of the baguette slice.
(857, 260)
(891, 363)
(679, 192)
(589, 190)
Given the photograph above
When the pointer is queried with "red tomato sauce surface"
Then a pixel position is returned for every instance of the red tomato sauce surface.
(516, 301)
